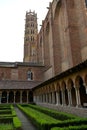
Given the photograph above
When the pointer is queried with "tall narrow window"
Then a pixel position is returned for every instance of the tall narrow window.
(29, 75)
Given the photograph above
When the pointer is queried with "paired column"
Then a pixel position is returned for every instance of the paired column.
(14, 97)
(78, 97)
(63, 97)
(0, 96)
(27, 97)
(57, 98)
(7, 96)
(69, 97)
(20, 96)
(53, 98)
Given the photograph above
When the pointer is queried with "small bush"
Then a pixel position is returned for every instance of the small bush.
(41, 120)
(53, 113)
(6, 127)
(82, 127)
(16, 122)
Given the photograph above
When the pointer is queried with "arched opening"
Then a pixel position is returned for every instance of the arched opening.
(17, 97)
(11, 97)
(30, 96)
(24, 96)
(66, 92)
(4, 97)
(73, 96)
(82, 90)
(73, 93)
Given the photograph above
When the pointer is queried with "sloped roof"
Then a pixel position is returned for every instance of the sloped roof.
(11, 84)
(16, 64)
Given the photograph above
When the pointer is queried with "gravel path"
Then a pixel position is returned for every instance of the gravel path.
(26, 123)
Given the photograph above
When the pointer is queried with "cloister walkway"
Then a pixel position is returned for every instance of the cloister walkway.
(26, 123)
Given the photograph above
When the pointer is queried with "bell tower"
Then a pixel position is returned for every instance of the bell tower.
(30, 38)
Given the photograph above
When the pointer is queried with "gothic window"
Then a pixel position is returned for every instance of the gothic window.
(29, 75)
(86, 2)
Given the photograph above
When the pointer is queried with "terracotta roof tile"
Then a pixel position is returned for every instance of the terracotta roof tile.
(10, 84)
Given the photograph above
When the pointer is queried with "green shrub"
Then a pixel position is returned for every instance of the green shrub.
(53, 113)
(46, 125)
(16, 122)
(41, 120)
(6, 127)
(82, 127)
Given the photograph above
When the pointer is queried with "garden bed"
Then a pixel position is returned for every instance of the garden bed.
(8, 118)
(46, 119)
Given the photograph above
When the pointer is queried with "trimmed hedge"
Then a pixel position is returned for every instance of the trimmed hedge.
(41, 120)
(6, 127)
(76, 121)
(82, 127)
(16, 122)
(8, 116)
(53, 113)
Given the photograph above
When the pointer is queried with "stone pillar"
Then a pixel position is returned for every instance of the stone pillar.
(53, 98)
(69, 97)
(38, 98)
(50, 99)
(78, 97)
(0, 96)
(63, 97)
(21, 96)
(43, 98)
(7, 96)
(86, 88)
(34, 98)
(57, 98)
(46, 98)
(14, 97)
(27, 97)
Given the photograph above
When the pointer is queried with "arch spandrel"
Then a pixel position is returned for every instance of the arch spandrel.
(70, 83)
(63, 85)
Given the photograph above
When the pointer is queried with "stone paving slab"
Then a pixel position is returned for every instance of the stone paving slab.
(26, 123)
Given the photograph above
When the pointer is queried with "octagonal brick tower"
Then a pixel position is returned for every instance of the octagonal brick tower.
(30, 38)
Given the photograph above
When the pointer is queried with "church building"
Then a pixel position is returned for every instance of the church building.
(54, 67)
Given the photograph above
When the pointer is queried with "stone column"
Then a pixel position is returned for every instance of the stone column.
(37, 98)
(53, 98)
(46, 98)
(34, 98)
(63, 97)
(21, 96)
(50, 99)
(0, 96)
(14, 97)
(78, 97)
(27, 97)
(57, 98)
(69, 97)
(7, 96)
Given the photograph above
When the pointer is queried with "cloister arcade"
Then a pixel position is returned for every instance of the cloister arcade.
(16, 96)
(69, 89)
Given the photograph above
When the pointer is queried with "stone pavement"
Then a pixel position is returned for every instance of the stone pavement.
(26, 123)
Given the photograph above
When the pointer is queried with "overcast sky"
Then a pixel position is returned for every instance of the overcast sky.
(12, 24)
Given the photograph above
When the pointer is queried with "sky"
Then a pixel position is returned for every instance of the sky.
(12, 25)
